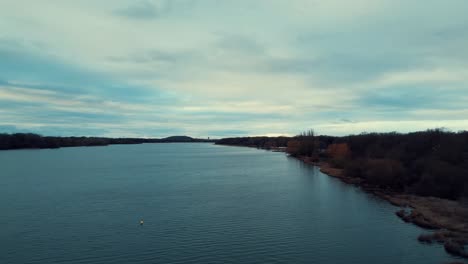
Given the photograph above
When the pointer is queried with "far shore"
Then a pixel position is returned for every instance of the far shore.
(35, 141)
(447, 220)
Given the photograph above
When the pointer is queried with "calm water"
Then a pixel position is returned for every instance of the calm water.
(201, 203)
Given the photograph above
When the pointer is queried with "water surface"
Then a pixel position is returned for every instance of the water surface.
(201, 203)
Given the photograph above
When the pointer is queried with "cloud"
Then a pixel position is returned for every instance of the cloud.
(401, 98)
(143, 10)
(51, 130)
(152, 9)
(153, 68)
(403, 126)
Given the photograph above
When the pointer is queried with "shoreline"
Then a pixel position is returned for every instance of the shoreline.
(34, 141)
(447, 220)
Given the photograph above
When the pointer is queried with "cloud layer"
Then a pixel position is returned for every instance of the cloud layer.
(153, 68)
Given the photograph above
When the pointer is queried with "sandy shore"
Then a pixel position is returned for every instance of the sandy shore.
(446, 220)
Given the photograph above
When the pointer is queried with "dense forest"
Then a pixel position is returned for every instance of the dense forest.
(256, 142)
(34, 141)
(429, 163)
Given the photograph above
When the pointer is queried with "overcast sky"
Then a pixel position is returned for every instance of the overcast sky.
(232, 68)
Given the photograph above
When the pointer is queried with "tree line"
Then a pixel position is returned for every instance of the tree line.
(427, 163)
(35, 141)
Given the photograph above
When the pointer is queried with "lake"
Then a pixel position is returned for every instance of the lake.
(201, 203)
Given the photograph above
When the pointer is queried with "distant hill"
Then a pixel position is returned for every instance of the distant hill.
(179, 139)
(184, 139)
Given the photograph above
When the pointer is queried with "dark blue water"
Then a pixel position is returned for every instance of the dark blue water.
(201, 203)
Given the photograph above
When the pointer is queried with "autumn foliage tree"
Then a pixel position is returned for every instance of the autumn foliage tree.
(293, 147)
(338, 154)
(386, 173)
(305, 144)
(338, 151)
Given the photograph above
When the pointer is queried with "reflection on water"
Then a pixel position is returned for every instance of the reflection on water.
(201, 203)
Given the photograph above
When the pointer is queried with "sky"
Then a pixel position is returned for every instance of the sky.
(214, 68)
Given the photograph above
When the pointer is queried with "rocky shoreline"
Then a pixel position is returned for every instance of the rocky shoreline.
(447, 220)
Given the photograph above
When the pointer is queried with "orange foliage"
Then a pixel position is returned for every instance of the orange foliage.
(340, 150)
(293, 146)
